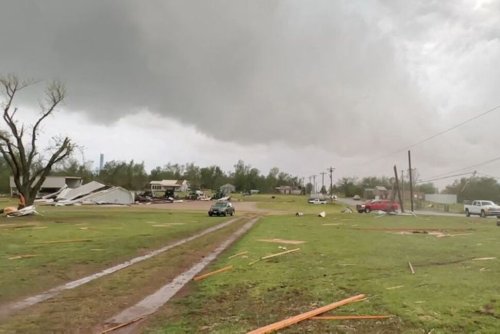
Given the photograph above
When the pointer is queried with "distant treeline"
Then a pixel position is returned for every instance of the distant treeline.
(133, 176)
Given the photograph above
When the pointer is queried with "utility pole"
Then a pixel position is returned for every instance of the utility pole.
(403, 184)
(331, 169)
(411, 180)
(314, 178)
(322, 179)
(397, 187)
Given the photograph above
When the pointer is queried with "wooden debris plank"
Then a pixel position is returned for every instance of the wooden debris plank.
(200, 277)
(238, 254)
(274, 255)
(283, 241)
(24, 256)
(64, 241)
(307, 315)
(279, 254)
(395, 287)
(121, 325)
(350, 317)
(411, 267)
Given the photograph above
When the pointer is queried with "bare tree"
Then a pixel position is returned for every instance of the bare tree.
(18, 142)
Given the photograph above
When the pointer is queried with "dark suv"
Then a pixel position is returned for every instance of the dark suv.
(221, 209)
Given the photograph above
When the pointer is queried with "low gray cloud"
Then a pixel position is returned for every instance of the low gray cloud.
(331, 74)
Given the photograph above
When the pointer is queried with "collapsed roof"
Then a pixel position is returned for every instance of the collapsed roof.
(91, 193)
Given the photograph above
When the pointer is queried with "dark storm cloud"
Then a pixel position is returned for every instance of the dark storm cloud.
(324, 73)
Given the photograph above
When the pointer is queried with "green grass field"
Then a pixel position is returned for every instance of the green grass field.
(455, 288)
(67, 243)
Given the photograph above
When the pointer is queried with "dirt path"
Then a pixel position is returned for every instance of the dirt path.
(153, 302)
(10, 308)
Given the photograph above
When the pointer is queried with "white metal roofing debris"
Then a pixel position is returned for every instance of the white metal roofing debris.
(70, 194)
(114, 195)
(169, 183)
(55, 194)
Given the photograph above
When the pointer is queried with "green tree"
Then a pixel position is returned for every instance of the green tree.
(241, 172)
(167, 172)
(348, 186)
(475, 188)
(212, 177)
(426, 188)
(71, 167)
(192, 174)
(131, 175)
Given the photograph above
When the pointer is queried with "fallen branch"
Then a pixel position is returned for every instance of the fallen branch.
(200, 277)
(274, 255)
(239, 254)
(300, 317)
(121, 325)
(350, 317)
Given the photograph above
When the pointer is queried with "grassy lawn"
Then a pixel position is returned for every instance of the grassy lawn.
(85, 308)
(290, 203)
(454, 290)
(97, 238)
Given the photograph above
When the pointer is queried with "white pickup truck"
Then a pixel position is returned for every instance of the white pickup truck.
(482, 208)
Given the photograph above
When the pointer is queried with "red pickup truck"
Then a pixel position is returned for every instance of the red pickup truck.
(378, 204)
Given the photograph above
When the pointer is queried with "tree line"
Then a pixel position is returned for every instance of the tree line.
(133, 175)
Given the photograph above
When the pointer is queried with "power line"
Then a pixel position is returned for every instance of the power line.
(465, 168)
(441, 132)
(445, 177)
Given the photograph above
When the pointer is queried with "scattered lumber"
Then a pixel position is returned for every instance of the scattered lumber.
(121, 325)
(24, 256)
(64, 241)
(300, 317)
(200, 277)
(411, 267)
(350, 317)
(282, 241)
(395, 287)
(274, 255)
(238, 254)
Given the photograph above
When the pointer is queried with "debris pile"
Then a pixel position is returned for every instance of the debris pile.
(89, 193)
(14, 212)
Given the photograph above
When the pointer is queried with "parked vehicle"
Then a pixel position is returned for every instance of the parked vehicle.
(482, 208)
(221, 208)
(356, 197)
(378, 204)
(317, 201)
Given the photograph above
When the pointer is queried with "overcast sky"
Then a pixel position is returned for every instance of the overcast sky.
(300, 85)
